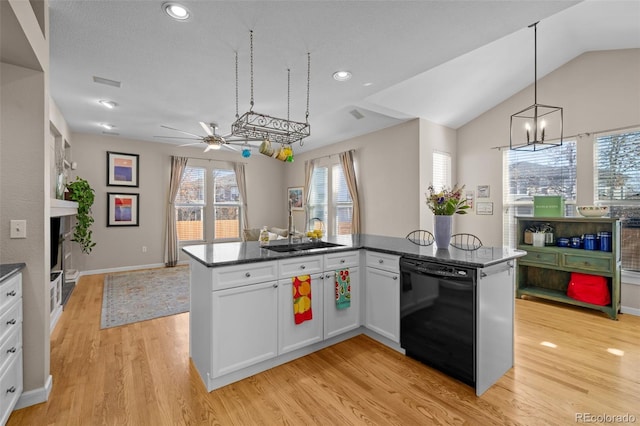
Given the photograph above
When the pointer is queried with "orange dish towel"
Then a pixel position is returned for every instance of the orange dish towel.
(301, 298)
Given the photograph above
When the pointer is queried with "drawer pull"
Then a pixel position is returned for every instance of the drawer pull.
(341, 260)
(302, 267)
(380, 261)
(11, 321)
(275, 285)
(11, 293)
(248, 274)
(395, 277)
(12, 350)
(12, 389)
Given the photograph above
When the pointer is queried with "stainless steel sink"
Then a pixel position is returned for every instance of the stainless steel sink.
(310, 245)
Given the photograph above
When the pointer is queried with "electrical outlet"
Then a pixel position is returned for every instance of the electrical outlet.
(18, 229)
(144, 249)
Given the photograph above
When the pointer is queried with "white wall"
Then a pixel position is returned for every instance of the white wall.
(121, 247)
(387, 164)
(598, 91)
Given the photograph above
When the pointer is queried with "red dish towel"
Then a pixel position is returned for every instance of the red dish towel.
(301, 298)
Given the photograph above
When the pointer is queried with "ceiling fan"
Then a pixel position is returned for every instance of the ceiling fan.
(213, 140)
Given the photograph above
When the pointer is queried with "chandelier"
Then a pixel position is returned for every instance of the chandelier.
(538, 126)
(255, 126)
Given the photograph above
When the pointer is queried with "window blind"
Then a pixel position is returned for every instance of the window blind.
(441, 170)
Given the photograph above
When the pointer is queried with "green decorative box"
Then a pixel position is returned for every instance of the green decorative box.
(548, 206)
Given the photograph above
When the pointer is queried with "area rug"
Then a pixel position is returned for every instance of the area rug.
(143, 295)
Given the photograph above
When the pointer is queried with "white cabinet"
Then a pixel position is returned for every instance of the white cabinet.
(10, 344)
(292, 336)
(382, 310)
(245, 326)
(338, 321)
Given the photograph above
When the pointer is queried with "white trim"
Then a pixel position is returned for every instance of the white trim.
(630, 311)
(630, 277)
(129, 268)
(35, 396)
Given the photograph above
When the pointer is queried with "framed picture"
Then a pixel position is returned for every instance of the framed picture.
(484, 191)
(122, 169)
(122, 209)
(484, 207)
(295, 195)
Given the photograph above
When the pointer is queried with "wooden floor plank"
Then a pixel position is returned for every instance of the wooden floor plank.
(140, 374)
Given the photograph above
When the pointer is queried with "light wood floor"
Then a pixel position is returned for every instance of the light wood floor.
(140, 374)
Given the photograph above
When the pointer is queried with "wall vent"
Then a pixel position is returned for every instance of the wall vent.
(106, 81)
(357, 114)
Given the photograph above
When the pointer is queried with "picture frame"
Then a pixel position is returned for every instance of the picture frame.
(123, 209)
(122, 169)
(484, 207)
(296, 195)
(484, 191)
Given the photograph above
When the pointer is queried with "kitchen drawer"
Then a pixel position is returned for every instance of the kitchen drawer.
(10, 290)
(10, 320)
(300, 266)
(341, 260)
(540, 258)
(10, 387)
(9, 348)
(384, 261)
(587, 263)
(244, 274)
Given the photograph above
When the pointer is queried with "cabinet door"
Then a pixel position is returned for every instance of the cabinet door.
(245, 326)
(292, 336)
(382, 311)
(338, 321)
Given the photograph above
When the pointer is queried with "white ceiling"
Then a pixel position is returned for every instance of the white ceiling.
(446, 61)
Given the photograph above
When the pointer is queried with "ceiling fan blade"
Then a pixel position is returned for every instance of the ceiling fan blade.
(181, 131)
(212, 147)
(189, 144)
(229, 147)
(206, 128)
(178, 137)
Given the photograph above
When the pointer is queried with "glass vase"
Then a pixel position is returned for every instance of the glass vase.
(442, 230)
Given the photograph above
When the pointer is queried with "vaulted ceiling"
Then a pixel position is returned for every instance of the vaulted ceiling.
(446, 61)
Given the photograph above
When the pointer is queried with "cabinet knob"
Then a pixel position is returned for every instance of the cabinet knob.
(395, 277)
(380, 261)
(248, 274)
(11, 321)
(12, 350)
(302, 267)
(275, 285)
(12, 389)
(328, 276)
(341, 260)
(11, 293)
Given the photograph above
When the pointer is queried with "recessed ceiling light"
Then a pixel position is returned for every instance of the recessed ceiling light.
(107, 126)
(107, 104)
(341, 75)
(176, 11)
(368, 84)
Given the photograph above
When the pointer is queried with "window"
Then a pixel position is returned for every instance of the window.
(441, 171)
(226, 205)
(330, 200)
(190, 204)
(529, 173)
(208, 209)
(617, 184)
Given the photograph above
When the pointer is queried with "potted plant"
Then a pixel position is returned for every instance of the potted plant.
(81, 192)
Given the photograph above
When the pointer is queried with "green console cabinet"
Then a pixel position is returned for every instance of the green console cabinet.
(545, 271)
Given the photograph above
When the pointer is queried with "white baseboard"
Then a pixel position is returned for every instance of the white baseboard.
(128, 268)
(35, 396)
(630, 311)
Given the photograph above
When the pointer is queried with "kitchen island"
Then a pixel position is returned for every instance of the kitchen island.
(242, 319)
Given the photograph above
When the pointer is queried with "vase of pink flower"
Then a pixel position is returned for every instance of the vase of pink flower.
(444, 204)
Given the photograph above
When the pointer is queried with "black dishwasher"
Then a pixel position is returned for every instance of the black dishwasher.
(437, 316)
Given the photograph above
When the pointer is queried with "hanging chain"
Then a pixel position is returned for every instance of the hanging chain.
(308, 83)
(288, 93)
(237, 116)
(251, 52)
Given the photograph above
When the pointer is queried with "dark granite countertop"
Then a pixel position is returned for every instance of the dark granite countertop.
(225, 254)
(8, 269)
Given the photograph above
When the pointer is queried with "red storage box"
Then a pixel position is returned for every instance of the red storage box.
(589, 288)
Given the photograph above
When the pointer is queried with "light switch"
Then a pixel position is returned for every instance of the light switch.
(18, 229)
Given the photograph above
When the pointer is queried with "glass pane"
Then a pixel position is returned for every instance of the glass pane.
(630, 236)
(441, 171)
(343, 219)
(318, 197)
(192, 186)
(225, 188)
(618, 167)
(227, 222)
(189, 223)
(341, 192)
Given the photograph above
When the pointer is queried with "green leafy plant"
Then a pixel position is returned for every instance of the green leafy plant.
(447, 202)
(81, 191)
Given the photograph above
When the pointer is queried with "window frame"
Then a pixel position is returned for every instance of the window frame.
(332, 205)
(178, 205)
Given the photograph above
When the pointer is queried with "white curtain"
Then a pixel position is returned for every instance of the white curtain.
(242, 187)
(346, 159)
(309, 165)
(171, 254)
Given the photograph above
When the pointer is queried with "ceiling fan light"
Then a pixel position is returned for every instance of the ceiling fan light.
(176, 11)
(107, 104)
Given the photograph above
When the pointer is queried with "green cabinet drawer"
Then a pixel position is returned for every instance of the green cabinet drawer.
(540, 258)
(587, 263)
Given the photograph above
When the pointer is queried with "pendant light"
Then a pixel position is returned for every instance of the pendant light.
(538, 126)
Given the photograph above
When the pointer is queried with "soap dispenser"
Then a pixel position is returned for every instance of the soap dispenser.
(264, 236)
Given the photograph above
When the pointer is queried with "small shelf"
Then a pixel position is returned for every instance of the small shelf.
(60, 208)
(559, 296)
(71, 275)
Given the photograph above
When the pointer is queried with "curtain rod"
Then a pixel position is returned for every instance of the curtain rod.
(331, 155)
(212, 159)
(582, 134)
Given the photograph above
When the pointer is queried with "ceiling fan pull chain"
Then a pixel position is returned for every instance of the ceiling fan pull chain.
(308, 83)
(237, 116)
(288, 95)
(251, 52)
